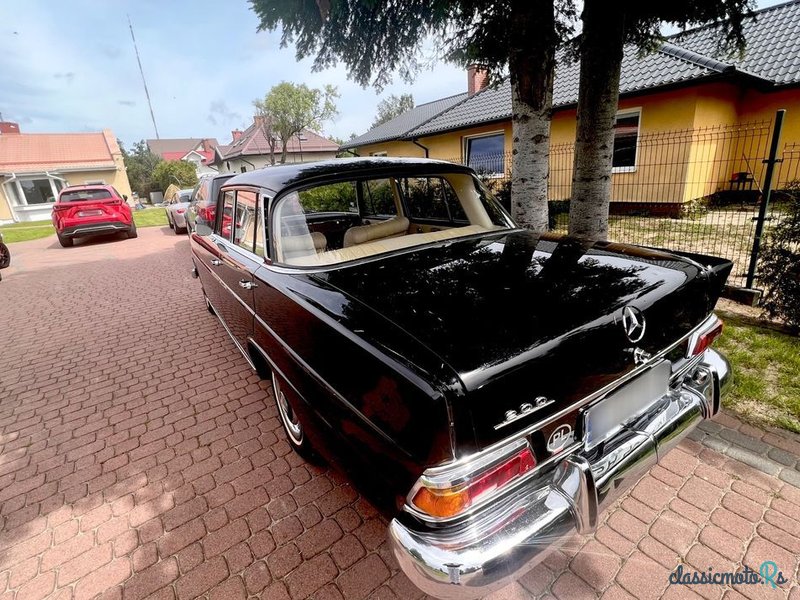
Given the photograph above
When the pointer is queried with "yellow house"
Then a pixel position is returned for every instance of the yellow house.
(690, 121)
(34, 167)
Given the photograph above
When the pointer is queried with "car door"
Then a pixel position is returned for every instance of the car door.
(236, 243)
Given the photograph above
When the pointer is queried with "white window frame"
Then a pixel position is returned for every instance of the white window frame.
(465, 146)
(19, 199)
(629, 112)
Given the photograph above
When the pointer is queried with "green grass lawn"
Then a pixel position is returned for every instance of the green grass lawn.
(33, 230)
(150, 217)
(766, 373)
(23, 232)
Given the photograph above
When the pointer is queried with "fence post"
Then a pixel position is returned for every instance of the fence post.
(771, 161)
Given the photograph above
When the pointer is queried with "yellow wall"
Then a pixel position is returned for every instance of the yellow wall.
(5, 211)
(684, 150)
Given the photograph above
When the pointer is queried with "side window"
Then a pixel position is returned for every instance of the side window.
(378, 198)
(244, 230)
(225, 220)
(433, 199)
(334, 197)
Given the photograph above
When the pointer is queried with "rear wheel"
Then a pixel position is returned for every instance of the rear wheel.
(178, 230)
(66, 242)
(291, 421)
(132, 233)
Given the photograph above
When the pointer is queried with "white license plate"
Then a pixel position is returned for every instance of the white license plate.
(629, 401)
(90, 213)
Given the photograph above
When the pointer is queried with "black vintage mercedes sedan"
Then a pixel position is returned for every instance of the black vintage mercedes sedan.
(490, 389)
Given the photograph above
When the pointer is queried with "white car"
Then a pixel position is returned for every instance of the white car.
(176, 210)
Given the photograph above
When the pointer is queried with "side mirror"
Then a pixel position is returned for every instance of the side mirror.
(125, 197)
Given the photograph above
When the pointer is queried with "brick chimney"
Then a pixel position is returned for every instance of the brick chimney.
(236, 134)
(477, 78)
(7, 127)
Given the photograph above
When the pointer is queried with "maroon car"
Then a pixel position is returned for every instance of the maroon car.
(86, 210)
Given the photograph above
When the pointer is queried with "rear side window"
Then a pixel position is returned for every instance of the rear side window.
(244, 221)
(378, 197)
(85, 195)
(333, 197)
(432, 199)
(225, 219)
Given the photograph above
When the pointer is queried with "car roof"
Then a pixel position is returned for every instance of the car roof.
(278, 177)
(98, 186)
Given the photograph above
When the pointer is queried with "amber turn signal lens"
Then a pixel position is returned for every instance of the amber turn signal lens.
(449, 502)
(441, 503)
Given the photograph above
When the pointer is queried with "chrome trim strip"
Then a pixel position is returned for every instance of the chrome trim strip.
(307, 368)
(235, 341)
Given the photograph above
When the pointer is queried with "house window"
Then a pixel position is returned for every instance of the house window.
(33, 190)
(378, 153)
(626, 140)
(486, 154)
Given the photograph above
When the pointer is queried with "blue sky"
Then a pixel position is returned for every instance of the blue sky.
(69, 65)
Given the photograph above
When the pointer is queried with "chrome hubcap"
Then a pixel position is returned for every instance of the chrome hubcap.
(288, 416)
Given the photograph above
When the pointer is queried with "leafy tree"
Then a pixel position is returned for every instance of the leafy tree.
(289, 108)
(140, 164)
(378, 38)
(607, 26)
(264, 120)
(179, 172)
(392, 107)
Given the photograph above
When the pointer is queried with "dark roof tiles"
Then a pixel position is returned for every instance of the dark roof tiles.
(772, 54)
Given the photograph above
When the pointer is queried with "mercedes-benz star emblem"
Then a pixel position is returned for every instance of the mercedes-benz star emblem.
(633, 323)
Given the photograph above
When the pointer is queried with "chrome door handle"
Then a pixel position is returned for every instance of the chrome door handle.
(215, 262)
(248, 285)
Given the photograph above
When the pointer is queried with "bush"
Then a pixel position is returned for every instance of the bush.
(780, 263)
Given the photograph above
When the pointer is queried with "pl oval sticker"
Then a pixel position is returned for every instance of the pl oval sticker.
(560, 438)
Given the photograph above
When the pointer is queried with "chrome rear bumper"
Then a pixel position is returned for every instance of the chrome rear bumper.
(500, 543)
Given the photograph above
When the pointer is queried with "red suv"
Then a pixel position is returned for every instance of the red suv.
(85, 210)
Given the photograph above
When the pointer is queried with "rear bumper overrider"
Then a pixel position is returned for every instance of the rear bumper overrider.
(505, 539)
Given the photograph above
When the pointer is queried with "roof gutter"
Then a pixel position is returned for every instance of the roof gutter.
(416, 143)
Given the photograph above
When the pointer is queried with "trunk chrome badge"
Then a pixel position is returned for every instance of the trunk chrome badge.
(633, 323)
(525, 409)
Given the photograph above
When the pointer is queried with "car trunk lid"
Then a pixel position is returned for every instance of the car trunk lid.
(521, 317)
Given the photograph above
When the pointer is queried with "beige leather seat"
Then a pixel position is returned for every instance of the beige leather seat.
(394, 227)
(388, 245)
(301, 245)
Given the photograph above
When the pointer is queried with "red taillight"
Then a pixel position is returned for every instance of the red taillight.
(443, 501)
(180, 211)
(700, 341)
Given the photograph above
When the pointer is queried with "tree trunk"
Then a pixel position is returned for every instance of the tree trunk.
(284, 143)
(601, 49)
(531, 66)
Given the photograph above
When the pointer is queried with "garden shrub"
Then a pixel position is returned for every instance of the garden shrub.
(779, 262)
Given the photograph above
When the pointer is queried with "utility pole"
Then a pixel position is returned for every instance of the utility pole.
(144, 82)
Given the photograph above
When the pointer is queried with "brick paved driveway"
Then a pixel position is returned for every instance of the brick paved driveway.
(139, 456)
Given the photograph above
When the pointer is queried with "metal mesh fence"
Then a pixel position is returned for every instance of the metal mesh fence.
(696, 190)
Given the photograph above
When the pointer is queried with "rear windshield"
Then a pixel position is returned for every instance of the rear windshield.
(85, 195)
